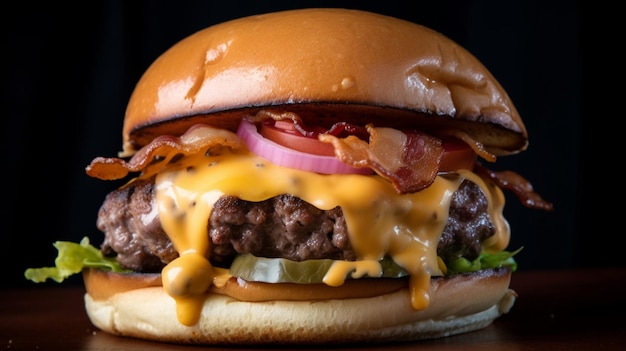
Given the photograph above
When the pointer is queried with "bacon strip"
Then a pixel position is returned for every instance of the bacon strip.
(409, 160)
(517, 184)
(161, 150)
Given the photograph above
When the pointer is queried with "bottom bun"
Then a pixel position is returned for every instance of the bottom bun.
(459, 304)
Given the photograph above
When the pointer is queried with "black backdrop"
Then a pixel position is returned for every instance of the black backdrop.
(69, 71)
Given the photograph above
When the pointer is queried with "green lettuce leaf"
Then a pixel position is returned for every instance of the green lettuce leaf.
(72, 259)
(484, 261)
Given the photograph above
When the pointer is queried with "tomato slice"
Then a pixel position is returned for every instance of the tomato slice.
(285, 134)
(457, 154)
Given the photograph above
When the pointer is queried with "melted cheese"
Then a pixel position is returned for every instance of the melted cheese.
(380, 221)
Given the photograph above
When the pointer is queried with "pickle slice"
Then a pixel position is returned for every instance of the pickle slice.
(280, 270)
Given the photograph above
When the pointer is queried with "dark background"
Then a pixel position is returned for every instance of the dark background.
(69, 71)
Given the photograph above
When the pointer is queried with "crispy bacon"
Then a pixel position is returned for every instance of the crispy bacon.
(339, 129)
(157, 154)
(517, 184)
(409, 160)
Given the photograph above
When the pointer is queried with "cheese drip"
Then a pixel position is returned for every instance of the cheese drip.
(380, 222)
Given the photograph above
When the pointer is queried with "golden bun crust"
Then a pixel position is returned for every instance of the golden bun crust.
(459, 304)
(327, 65)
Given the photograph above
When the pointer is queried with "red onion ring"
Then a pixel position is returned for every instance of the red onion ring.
(286, 157)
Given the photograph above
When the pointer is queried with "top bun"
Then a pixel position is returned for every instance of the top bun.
(326, 65)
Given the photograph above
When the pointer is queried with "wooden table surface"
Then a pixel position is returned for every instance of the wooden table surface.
(555, 310)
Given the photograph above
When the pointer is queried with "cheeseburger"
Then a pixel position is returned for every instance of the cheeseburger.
(306, 176)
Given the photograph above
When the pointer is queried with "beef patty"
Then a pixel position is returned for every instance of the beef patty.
(283, 226)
